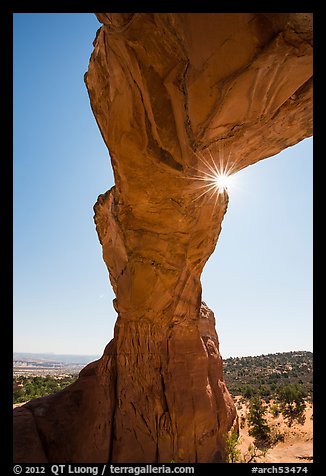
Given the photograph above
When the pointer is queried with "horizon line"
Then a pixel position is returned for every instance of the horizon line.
(224, 358)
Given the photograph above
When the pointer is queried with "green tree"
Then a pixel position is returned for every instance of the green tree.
(292, 402)
(249, 391)
(35, 387)
(258, 426)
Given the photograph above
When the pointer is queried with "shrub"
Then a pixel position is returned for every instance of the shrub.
(274, 409)
(254, 454)
(292, 403)
(233, 454)
(276, 437)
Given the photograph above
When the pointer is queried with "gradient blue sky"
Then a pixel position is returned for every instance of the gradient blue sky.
(259, 279)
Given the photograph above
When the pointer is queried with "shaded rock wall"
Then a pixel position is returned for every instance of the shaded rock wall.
(173, 95)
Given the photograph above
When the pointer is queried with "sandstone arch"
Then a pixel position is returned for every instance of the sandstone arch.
(167, 90)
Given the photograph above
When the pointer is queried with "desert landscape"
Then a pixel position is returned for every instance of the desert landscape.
(290, 442)
(297, 446)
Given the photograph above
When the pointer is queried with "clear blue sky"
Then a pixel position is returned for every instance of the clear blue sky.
(259, 279)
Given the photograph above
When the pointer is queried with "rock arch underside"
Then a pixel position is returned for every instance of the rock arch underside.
(173, 94)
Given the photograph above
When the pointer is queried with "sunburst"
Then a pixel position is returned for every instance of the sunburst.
(213, 180)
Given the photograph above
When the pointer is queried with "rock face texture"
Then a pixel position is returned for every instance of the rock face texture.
(176, 97)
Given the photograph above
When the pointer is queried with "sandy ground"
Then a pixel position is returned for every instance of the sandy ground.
(298, 439)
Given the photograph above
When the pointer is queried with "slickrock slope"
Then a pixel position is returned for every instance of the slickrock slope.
(173, 95)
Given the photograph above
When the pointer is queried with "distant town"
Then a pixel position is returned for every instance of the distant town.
(49, 364)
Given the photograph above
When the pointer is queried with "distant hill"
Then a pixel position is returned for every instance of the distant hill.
(264, 374)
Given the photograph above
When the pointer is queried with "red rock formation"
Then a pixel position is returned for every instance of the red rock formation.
(173, 95)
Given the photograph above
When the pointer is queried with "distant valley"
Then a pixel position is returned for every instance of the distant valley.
(49, 364)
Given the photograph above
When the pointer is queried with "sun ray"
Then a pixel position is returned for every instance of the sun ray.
(213, 177)
(211, 187)
(208, 165)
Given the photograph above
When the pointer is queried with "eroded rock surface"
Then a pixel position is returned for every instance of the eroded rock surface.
(173, 95)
